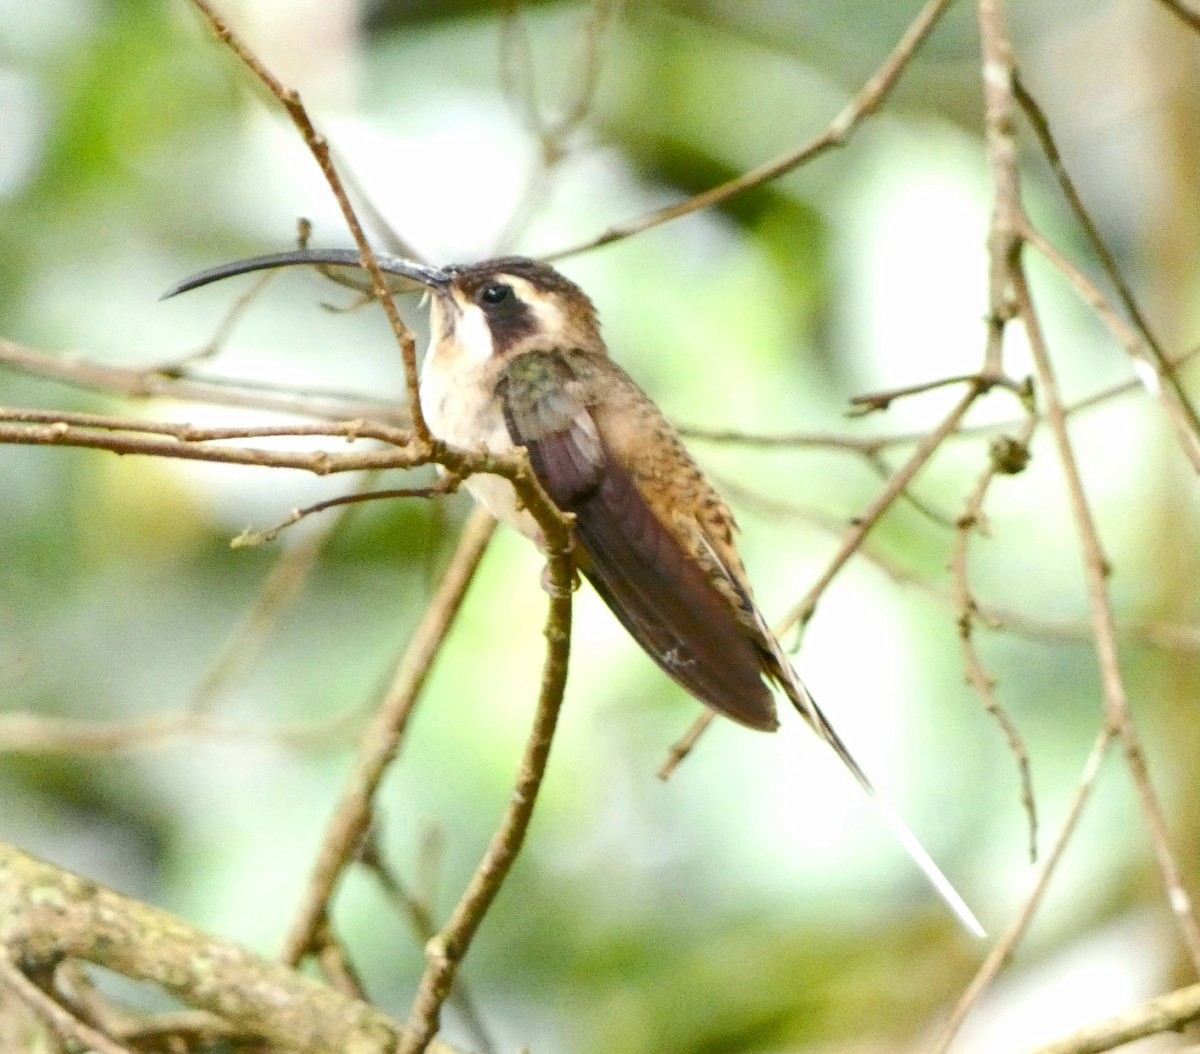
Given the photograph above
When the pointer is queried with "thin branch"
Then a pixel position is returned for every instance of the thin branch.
(1147, 350)
(1008, 941)
(518, 78)
(1179, 411)
(1004, 230)
(212, 347)
(803, 611)
(876, 402)
(249, 538)
(289, 98)
(972, 520)
(187, 433)
(320, 463)
(57, 1016)
(868, 446)
(281, 586)
(865, 104)
(150, 383)
(381, 740)
(48, 915)
(420, 920)
(1166, 1013)
(445, 952)
(27, 733)
(1097, 570)
(336, 965)
(686, 743)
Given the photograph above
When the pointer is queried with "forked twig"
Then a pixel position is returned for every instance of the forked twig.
(420, 920)
(968, 613)
(445, 951)
(289, 98)
(1159, 375)
(1097, 570)
(57, 1016)
(802, 612)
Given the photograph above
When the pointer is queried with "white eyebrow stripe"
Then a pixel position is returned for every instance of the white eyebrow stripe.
(544, 307)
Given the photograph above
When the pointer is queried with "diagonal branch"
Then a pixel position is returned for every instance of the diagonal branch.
(869, 99)
(289, 98)
(48, 915)
(1097, 570)
(381, 740)
(444, 953)
(1166, 1013)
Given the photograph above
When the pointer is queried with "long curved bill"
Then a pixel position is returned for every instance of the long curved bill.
(411, 277)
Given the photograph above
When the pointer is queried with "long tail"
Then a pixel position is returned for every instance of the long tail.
(803, 701)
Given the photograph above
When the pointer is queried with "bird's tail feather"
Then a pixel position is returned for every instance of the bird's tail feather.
(803, 701)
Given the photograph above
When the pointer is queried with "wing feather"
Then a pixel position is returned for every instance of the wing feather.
(663, 597)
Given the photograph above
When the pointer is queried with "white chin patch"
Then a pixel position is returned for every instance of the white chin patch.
(473, 335)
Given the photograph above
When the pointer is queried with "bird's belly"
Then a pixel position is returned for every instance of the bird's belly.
(468, 416)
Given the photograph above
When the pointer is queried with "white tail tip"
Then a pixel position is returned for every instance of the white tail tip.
(931, 871)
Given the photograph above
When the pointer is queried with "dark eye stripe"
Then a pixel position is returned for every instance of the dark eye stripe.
(510, 321)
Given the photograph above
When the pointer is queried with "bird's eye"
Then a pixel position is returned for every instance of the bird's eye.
(496, 293)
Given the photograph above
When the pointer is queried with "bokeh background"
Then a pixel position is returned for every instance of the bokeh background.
(752, 903)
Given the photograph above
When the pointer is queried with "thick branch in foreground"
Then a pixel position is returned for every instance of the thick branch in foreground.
(48, 915)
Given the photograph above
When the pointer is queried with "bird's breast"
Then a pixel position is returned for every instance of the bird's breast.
(458, 400)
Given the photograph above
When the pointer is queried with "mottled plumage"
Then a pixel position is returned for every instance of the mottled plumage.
(653, 537)
(516, 359)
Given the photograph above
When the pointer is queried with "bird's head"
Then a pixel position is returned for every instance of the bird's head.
(501, 308)
(497, 308)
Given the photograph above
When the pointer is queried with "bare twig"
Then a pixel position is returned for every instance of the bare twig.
(321, 463)
(420, 920)
(972, 520)
(876, 402)
(57, 1016)
(1160, 376)
(319, 404)
(289, 98)
(926, 448)
(249, 538)
(211, 347)
(868, 100)
(1004, 947)
(1166, 1013)
(686, 743)
(336, 965)
(1097, 571)
(37, 734)
(186, 433)
(868, 446)
(519, 80)
(445, 951)
(279, 589)
(381, 740)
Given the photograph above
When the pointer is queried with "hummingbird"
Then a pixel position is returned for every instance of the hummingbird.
(516, 359)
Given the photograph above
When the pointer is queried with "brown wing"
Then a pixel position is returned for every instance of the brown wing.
(661, 594)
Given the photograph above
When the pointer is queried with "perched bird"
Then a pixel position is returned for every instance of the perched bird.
(516, 359)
